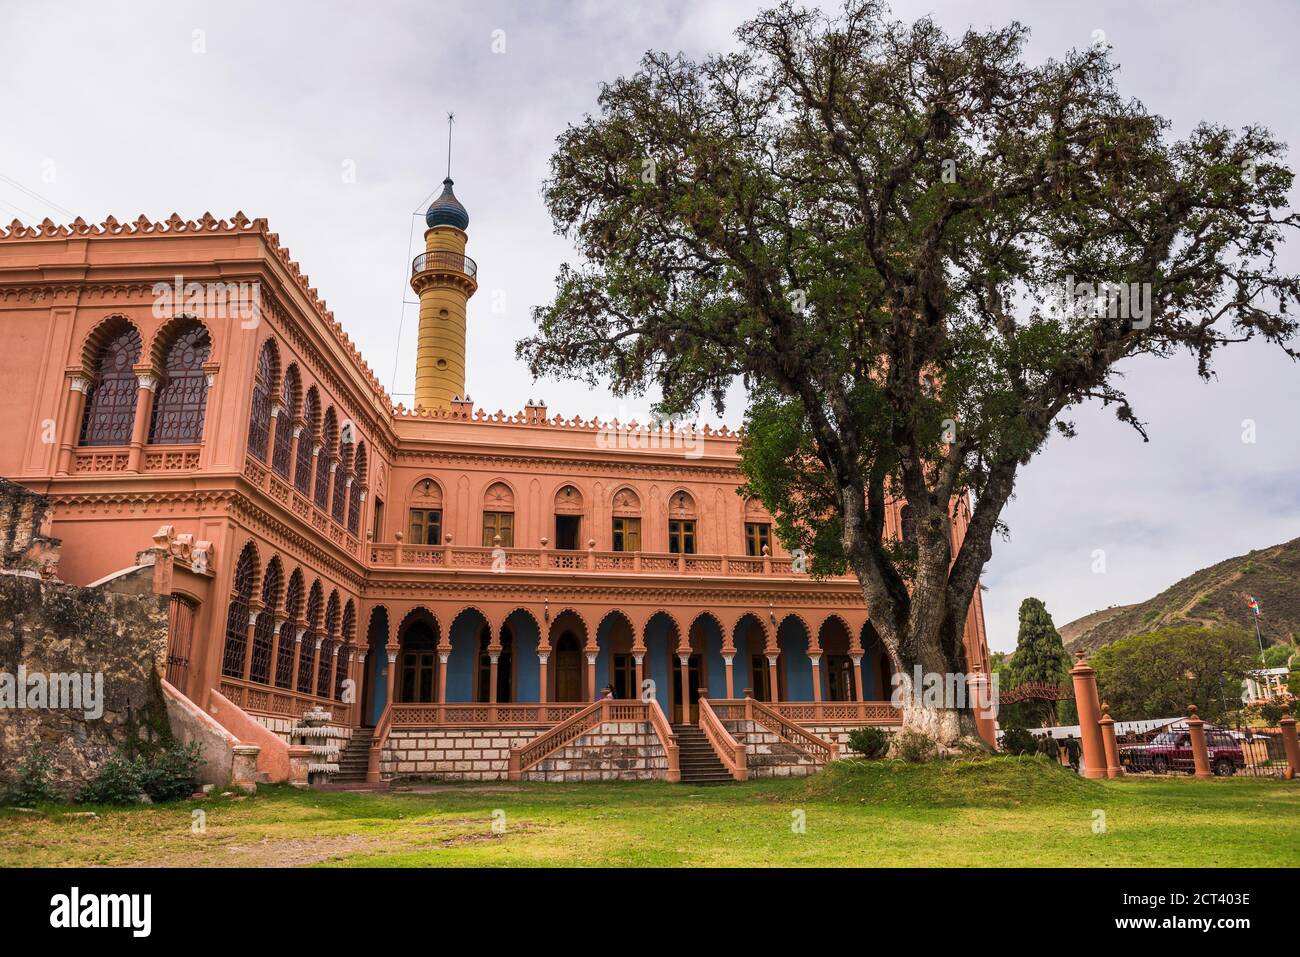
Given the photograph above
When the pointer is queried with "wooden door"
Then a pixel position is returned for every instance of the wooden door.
(568, 669)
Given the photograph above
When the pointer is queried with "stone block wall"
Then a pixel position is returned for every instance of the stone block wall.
(616, 751)
(112, 636)
(766, 755)
(453, 754)
(839, 734)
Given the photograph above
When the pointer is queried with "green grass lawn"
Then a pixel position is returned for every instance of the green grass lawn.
(990, 812)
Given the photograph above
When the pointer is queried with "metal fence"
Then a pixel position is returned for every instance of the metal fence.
(1231, 751)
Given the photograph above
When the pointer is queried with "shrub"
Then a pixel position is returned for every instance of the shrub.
(1271, 712)
(32, 785)
(916, 747)
(1019, 741)
(118, 782)
(869, 742)
(172, 774)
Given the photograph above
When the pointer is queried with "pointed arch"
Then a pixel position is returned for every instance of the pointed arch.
(293, 598)
(110, 355)
(180, 350)
(307, 441)
(264, 630)
(282, 450)
(307, 656)
(359, 468)
(237, 612)
(265, 378)
(331, 634)
(328, 441)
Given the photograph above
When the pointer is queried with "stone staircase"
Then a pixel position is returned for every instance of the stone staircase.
(697, 760)
(354, 760)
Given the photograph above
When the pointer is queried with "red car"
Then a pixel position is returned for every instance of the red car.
(1172, 751)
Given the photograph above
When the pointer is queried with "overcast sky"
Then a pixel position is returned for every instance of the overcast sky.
(124, 108)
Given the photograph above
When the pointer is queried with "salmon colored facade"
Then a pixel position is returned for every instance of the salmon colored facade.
(401, 567)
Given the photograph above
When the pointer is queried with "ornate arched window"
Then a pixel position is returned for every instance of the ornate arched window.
(292, 609)
(264, 631)
(306, 442)
(283, 442)
(338, 504)
(232, 659)
(354, 495)
(307, 657)
(626, 521)
(328, 441)
(259, 417)
(327, 646)
(499, 515)
(110, 400)
(349, 628)
(182, 396)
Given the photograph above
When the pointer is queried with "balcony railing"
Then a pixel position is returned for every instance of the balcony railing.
(398, 555)
(443, 261)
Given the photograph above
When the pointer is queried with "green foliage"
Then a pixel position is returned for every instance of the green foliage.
(118, 782)
(1019, 741)
(869, 742)
(1278, 656)
(172, 774)
(1157, 674)
(915, 747)
(1271, 712)
(169, 774)
(32, 785)
(1040, 658)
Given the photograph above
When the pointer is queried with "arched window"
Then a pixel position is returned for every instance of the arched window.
(264, 631)
(354, 495)
(328, 439)
(349, 629)
(307, 657)
(292, 609)
(182, 395)
(110, 401)
(232, 660)
(499, 516)
(327, 646)
(259, 417)
(306, 442)
(626, 521)
(283, 447)
(340, 498)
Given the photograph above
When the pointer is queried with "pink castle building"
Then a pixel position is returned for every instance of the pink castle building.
(459, 589)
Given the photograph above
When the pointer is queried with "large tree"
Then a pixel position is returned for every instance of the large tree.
(872, 224)
(1158, 674)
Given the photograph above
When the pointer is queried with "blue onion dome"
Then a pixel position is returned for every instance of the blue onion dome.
(446, 210)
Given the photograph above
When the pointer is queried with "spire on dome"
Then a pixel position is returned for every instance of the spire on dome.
(446, 210)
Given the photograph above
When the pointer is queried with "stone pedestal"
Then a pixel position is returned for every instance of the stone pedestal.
(299, 763)
(323, 743)
(243, 767)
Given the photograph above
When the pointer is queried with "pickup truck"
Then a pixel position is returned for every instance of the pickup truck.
(1172, 751)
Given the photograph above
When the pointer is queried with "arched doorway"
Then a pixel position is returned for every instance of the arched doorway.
(417, 661)
(838, 683)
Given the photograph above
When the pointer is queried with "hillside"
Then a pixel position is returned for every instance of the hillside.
(1214, 595)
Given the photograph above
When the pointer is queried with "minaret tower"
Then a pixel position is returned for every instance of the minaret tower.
(444, 279)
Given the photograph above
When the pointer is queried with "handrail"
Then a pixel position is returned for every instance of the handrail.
(535, 751)
(819, 749)
(444, 259)
(377, 743)
(730, 751)
(667, 739)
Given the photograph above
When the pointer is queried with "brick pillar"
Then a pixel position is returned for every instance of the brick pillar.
(1084, 678)
(1113, 769)
(591, 676)
(816, 660)
(857, 676)
(299, 629)
(1290, 744)
(315, 667)
(391, 648)
(255, 609)
(275, 650)
(273, 427)
(444, 655)
(983, 706)
(771, 672)
(1200, 754)
(729, 660)
(638, 662)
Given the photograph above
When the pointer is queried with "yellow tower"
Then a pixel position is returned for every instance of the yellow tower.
(444, 279)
